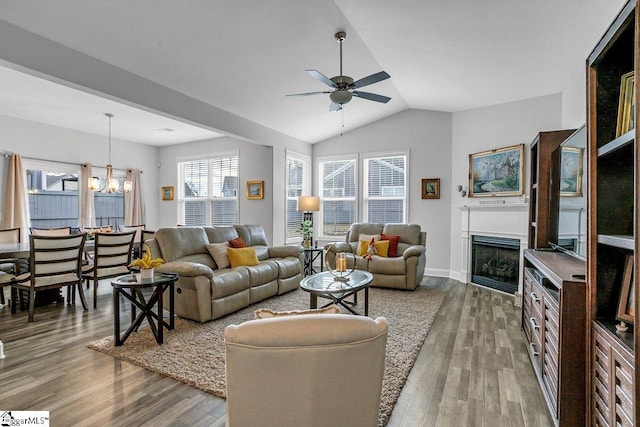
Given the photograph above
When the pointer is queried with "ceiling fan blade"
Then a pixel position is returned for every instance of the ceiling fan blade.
(335, 107)
(372, 96)
(369, 80)
(324, 79)
(308, 93)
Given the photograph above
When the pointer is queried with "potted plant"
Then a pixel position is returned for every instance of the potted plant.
(146, 264)
(307, 232)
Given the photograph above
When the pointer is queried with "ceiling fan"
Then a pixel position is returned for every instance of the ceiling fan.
(342, 87)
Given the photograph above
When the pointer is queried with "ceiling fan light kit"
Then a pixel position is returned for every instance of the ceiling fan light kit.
(342, 87)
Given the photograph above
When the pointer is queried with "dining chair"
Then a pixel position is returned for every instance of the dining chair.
(138, 240)
(61, 231)
(111, 258)
(54, 262)
(9, 267)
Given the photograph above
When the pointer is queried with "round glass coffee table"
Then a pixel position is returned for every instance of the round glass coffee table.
(325, 285)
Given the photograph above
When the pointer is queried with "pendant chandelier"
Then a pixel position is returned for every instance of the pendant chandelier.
(111, 185)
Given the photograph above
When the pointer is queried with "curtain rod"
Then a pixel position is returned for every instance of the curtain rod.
(5, 154)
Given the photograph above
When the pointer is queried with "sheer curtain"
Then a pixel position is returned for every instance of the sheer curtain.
(134, 200)
(15, 208)
(87, 201)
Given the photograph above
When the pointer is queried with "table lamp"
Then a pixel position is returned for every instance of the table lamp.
(308, 205)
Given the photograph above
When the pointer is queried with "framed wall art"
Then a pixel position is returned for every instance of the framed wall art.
(497, 172)
(571, 172)
(167, 193)
(255, 190)
(626, 312)
(626, 106)
(431, 188)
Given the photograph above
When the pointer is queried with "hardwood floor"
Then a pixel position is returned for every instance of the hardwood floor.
(473, 370)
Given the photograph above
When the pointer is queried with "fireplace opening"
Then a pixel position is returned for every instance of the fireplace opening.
(495, 263)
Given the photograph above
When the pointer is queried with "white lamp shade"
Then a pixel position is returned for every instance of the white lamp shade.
(309, 203)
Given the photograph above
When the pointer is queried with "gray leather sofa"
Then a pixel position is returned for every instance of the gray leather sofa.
(405, 271)
(205, 292)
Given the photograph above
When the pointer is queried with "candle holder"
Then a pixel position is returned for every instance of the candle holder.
(342, 271)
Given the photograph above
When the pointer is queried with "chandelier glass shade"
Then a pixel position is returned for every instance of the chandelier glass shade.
(111, 184)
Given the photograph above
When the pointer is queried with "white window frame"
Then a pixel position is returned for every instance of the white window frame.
(306, 189)
(182, 199)
(320, 191)
(364, 196)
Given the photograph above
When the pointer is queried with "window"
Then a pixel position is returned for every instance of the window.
(338, 193)
(298, 183)
(208, 191)
(384, 196)
(53, 196)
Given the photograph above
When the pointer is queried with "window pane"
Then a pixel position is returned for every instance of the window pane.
(195, 178)
(224, 212)
(53, 199)
(195, 213)
(385, 192)
(386, 211)
(298, 173)
(337, 217)
(109, 209)
(338, 179)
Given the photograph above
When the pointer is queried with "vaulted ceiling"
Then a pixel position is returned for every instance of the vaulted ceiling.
(244, 56)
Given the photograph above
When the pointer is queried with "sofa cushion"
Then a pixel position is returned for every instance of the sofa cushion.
(177, 243)
(253, 235)
(409, 233)
(205, 259)
(242, 257)
(393, 244)
(238, 242)
(379, 265)
(262, 273)
(219, 253)
(355, 230)
(221, 234)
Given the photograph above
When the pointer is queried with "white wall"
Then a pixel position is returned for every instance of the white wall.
(427, 137)
(40, 141)
(488, 128)
(574, 100)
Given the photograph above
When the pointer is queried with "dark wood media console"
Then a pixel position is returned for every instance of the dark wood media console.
(554, 313)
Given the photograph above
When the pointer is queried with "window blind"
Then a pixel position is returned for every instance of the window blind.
(384, 198)
(338, 190)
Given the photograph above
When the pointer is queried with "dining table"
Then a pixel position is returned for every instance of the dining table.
(22, 249)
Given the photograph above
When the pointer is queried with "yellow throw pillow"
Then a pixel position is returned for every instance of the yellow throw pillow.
(382, 248)
(242, 256)
(362, 247)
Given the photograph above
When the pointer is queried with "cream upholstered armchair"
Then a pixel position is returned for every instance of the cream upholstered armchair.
(310, 370)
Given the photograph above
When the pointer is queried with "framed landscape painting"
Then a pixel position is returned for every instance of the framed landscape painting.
(497, 172)
(571, 172)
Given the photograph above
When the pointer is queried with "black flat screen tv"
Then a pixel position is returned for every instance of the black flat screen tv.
(568, 196)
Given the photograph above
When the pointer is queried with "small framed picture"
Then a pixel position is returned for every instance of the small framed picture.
(431, 188)
(255, 190)
(167, 193)
(626, 309)
(626, 106)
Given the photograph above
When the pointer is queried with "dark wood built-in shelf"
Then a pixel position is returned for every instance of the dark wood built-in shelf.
(613, 227)
(554, 322)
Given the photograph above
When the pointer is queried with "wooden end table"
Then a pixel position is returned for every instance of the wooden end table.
(128, 287)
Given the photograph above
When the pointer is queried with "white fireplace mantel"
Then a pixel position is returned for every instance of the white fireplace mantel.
(509, 220)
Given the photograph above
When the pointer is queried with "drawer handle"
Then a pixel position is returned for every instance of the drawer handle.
(533, 323)
(533, 349)
(534, 297)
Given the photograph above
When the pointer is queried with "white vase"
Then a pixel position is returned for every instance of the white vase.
(146, 273)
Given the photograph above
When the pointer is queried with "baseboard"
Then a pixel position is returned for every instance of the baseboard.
(436, 272)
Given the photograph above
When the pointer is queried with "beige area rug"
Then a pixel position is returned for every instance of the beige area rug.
(193, 352)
